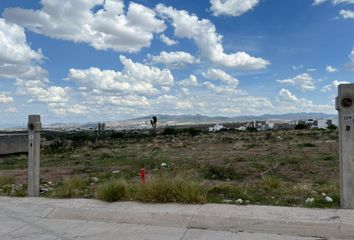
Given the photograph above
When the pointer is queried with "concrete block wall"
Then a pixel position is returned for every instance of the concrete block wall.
(13, 143)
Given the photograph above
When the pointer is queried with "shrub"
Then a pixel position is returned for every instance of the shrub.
(72, 187)
(271, 183)
(7, 180)
(221, 173)
(301, 126)
(171, 189)
(332, 127)
(193, 131)
(169, 131)
(112, 191)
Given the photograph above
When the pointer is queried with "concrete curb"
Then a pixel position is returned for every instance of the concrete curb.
(324, 223)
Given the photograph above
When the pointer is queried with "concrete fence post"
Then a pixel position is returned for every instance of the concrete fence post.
(34, 148)
(345, 107)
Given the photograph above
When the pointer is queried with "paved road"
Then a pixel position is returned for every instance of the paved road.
(42, 219)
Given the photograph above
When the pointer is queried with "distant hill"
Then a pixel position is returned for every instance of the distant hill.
(144, 121)
(202, 118)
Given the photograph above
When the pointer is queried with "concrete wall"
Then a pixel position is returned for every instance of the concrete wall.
(14, 143)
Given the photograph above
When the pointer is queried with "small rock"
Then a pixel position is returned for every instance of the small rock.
(239, 201)
(163, 165)
(329, 199)
(50, 183)
(323, 194)
(115, 172)
(309, 200)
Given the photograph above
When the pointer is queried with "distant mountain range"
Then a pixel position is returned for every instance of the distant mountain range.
(140, 122)
(202, 118)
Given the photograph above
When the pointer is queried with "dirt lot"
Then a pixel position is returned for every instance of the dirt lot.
(292, 168)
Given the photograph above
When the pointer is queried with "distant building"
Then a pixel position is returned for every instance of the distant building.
(242, 128)
(216, 128)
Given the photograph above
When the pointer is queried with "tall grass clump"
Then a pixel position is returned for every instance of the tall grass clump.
(171, 189)
(111, 191)
(271, 183)
(72, 187)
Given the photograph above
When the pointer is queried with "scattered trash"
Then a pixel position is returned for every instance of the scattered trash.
(116, 172)
(239, 201)
(163, 165)
(309, 200)
(324, 195)
(329, 199)
(95, 180)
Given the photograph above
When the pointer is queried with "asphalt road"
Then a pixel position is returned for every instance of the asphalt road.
(53, 219)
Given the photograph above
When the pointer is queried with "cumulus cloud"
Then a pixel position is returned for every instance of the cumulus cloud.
(333, 85)
(5, 98)
(108, 28)
(303, 81)
(346, 14)
(168, 41)
(289, 102)
(232, 7)
(17, 59)
(174, 59)
(42, 92)
(191, 81)
(331, 69)
(217, 74)
(134, 78)
(204, 34)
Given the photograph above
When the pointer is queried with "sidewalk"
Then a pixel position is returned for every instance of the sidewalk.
(42, 218)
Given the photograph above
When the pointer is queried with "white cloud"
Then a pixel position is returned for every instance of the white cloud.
(346, 14)
(331, 69)
(62, 109)
(174, 59)
(168, 41)
(134, 78)
(17, 59)
(335, 2)
(303, 81)
(286, 96)
(288, 102)
(41, 92)
(317, 2)
(333, 85)
(232, 7)
(5, 98)
(108, 28)
(351, 57)
(204, 34)
(222, 89)
(217, 74)
(191, 81)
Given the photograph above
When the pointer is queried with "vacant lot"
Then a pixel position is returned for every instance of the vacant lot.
(292, 168)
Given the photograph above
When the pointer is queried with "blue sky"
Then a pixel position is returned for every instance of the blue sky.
(91, 60)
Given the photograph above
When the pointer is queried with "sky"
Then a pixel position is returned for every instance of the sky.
(103, 60)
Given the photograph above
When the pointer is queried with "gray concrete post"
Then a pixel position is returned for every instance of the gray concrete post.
(345, 107)
(34, 148)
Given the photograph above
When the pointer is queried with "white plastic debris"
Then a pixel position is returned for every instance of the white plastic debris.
(115, 172)
(95, 180)
(163, 164)
(309, 200)
(329, 199)
(239, 201)
(323, 194)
